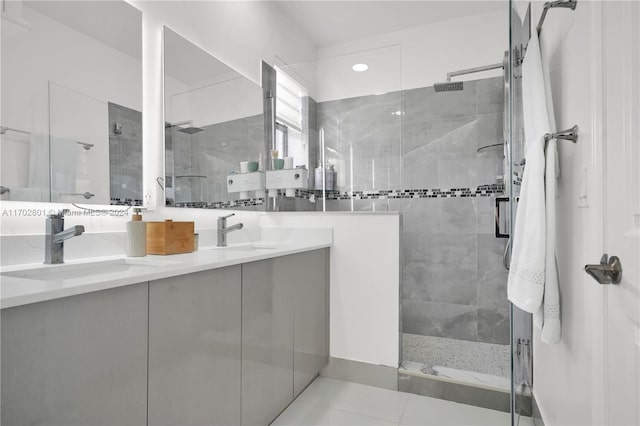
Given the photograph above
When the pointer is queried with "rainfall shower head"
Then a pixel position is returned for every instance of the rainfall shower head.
(191, 130)
(449, 86)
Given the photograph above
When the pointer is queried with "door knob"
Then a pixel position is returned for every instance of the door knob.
(609, 271)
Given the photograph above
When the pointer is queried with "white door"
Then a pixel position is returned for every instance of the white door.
(621, 67)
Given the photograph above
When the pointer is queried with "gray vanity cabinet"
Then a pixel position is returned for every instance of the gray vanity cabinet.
(308, 273)
(284, 331)
(194, 348)
(79, 360)
(267, 342)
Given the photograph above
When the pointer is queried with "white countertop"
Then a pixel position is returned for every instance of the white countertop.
(16, 291)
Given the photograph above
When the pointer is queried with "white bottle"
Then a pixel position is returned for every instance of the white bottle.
(136, 235)
(319, 177)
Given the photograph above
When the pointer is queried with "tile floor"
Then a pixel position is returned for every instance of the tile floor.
(329, 402)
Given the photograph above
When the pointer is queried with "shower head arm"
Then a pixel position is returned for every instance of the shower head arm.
(474, 70)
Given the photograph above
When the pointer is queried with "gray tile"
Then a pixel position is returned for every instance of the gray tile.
(485, 217)
(490, 130)
(492, 289)
(493, 325)
(440, 215)
(370, 205)
(457, 170)
(255, 120)
(376, 157)
(441, 250)
(425, 104)
(125, 152)
(437, 284)
(419, 170)
(440, 319)
(490, 252)
(490, 95)
(130, 119)
(490, 165)
(441, 136)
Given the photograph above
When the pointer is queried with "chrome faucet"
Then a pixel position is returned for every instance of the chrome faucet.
(55, 234)
(223, 230)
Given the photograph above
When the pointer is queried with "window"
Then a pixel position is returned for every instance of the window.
(291, 135)
(289, 101)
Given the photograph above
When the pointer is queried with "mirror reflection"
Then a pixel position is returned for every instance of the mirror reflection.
(71, 126)
(214, 131)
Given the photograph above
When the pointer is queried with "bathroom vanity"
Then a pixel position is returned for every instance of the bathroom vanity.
(216, 337)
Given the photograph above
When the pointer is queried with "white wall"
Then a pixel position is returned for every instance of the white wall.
(564, 377)
(415, 57)
(365, 282)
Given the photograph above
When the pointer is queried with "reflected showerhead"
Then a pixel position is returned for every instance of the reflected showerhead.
(449, 86)
(191, 130)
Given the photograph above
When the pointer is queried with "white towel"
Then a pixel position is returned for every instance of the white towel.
(548, 317)
(533, 277)
(527, 270)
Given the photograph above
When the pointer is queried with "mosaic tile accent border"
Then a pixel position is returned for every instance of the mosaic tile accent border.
(479, 191)
(385, 194)
(248, 202)
(125, 202)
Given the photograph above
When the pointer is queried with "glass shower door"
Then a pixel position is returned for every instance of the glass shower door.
(521, 322)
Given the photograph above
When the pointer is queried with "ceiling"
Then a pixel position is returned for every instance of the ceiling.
(116, 24)
(330, 22)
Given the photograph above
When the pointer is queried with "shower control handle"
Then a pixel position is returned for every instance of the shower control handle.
(609, 271)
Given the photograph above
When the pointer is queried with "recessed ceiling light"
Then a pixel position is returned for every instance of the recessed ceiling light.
(360, 67)
(396, 113)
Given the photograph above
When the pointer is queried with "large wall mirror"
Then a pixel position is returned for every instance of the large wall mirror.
(71, 125)
(214, 130)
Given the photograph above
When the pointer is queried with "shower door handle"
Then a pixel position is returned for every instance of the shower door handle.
(499, 233)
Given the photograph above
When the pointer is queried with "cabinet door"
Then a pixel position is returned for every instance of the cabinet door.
(194, 349)
(267, 343)
(306, 275)
(79, 360)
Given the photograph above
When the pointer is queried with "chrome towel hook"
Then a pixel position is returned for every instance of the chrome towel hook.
(568, 135)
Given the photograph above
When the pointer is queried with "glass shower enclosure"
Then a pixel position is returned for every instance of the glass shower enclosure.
(446, 160)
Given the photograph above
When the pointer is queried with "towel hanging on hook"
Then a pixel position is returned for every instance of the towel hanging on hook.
(567, 135)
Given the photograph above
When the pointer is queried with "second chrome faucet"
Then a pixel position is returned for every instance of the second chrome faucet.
(55, 234)
(223, 230)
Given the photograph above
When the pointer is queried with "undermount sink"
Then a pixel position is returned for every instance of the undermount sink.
(81, 270)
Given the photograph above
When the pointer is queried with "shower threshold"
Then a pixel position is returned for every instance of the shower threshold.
(455, 375)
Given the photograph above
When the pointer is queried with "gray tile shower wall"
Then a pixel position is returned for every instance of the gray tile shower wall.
(201, 161)
(454, 284)
(125, 155)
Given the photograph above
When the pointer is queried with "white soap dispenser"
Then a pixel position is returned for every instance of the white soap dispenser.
(136, 235)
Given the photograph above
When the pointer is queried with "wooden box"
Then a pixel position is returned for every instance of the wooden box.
(169, 237)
